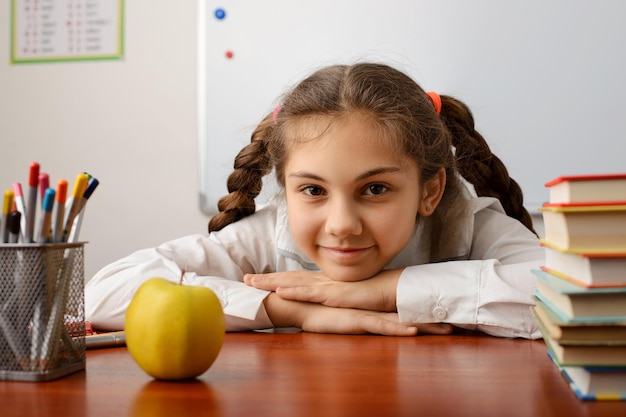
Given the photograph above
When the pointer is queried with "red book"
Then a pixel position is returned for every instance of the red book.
(594, 188)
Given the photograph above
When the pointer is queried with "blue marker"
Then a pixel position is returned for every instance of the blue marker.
(91, 187)
(45, 234)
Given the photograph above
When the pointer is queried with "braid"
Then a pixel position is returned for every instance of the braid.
(244, 184)
(478, 165)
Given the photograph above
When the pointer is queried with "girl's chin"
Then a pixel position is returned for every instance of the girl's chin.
(347, 274)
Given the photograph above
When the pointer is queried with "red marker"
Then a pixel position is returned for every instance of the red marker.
(33, 182)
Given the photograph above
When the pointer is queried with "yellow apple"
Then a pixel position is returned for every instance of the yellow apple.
(174, 331)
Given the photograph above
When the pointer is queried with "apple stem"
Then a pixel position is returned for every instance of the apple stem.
(182, 274)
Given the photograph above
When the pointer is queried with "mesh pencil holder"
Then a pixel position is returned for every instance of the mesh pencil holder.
(42, 309)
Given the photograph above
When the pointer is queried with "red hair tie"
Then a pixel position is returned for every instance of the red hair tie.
(436, 100)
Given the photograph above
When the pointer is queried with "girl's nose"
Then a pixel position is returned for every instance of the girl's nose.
(343, 218)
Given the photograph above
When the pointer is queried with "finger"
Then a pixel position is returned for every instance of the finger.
(379, 325)
(434, 328)
(308, 294)
(261, 281)
(331, 296)
(281, 279)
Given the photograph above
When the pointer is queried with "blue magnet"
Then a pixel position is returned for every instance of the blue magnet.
(220, 13)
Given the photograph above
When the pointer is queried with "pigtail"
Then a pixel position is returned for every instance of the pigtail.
(244, 184)
(478, 165)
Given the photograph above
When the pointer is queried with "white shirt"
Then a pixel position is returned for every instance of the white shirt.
(471, 269)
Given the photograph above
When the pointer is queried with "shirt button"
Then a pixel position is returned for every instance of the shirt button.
(440, 312)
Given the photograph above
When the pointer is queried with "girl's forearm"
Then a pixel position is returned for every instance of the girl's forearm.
(284, 313)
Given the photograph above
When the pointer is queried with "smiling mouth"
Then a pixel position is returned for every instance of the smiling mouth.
(346, 253)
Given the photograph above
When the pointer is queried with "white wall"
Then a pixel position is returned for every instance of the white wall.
(541, 77)
(130, 123)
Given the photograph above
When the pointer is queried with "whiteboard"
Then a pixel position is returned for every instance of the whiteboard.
(544, 79)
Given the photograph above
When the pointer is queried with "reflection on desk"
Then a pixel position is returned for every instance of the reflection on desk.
(304, 374)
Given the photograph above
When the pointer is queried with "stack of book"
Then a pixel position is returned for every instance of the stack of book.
(580, 303)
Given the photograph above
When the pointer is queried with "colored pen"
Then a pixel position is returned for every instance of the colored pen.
(44, 183)
(7, 206)
(14, 226)
(33, 181)
(45, 233)
(91, 187)
(19, 203)
(77, 193)
(100, 340)
(61, 195)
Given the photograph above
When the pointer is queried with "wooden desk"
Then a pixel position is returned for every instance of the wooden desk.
(303, 374)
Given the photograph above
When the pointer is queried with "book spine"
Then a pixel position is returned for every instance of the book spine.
(576, 390)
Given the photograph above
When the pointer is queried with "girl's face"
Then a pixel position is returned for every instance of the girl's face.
(352, 203)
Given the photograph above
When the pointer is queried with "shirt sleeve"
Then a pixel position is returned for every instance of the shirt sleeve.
(207, 261)
(491, 291)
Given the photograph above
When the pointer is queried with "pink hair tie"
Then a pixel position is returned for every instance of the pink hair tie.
(275, 113)
(435, 99)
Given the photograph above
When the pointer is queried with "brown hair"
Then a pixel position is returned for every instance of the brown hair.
(402, 109)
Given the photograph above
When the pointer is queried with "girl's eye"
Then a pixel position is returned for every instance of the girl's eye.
(376, 189)
(313, 191)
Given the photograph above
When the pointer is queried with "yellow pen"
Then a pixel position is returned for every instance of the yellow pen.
(77, 193)
(7, 206)
(91, 187)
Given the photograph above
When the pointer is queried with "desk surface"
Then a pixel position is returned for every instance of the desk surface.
(304, 374)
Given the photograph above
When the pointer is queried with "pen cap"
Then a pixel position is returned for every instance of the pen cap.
(7, 204)
(61, 194)
(91, 187)
(48, 199)
(17, 189)
(44, 183)
(79, 186)
(33, 175)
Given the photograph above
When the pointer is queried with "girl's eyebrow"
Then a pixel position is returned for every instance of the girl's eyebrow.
(378, 171)
(304, 174)
(366, 174)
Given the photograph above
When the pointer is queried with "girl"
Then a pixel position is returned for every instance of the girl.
(376, 228)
